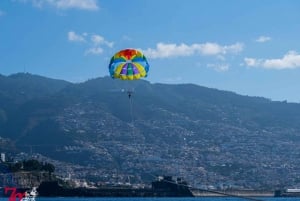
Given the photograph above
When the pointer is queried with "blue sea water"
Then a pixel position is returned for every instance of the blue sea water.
(161, 199)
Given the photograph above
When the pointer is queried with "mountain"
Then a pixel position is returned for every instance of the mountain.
(207, 136)
(22, 87)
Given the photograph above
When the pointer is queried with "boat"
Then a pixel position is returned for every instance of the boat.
(289, 192)
(164, 186)
(30, 195)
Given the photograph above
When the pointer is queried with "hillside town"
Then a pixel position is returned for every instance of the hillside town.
(214, 140)
(235, 163)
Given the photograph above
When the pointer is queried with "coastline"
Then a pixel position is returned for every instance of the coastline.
(234, 193)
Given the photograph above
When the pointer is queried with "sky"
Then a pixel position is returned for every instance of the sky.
(250, 47)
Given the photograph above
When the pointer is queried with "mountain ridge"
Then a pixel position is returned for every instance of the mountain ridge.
(204, 135)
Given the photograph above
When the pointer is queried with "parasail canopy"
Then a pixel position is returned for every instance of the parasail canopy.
(128, 64)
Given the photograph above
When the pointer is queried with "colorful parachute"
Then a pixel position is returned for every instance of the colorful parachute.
(128, 64)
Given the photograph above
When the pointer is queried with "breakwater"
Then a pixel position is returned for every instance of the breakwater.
(234, 193)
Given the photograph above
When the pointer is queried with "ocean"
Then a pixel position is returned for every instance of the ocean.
(161, 199)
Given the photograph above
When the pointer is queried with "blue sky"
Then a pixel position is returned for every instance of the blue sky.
(251, 47)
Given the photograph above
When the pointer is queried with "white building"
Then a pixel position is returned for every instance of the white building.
(3, 157)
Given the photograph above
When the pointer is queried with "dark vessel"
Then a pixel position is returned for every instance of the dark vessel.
(163, 187)
(290, 192)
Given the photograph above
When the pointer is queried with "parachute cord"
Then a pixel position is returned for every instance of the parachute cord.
(131, 110)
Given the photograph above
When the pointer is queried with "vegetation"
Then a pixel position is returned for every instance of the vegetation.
(207, 134)
(31, 165)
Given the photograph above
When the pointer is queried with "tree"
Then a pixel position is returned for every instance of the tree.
(49, 167)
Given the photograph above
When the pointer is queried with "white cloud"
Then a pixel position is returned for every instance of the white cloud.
(290, 60)
(251, 62)
(169, 50)
(208, 48)
(235, 48)
(219, 67)
(263, 39)
(94, 51)
(94, 42)
(80, 4)
(173, 50)
(72, 36)
(99, 40)
(65, 4)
